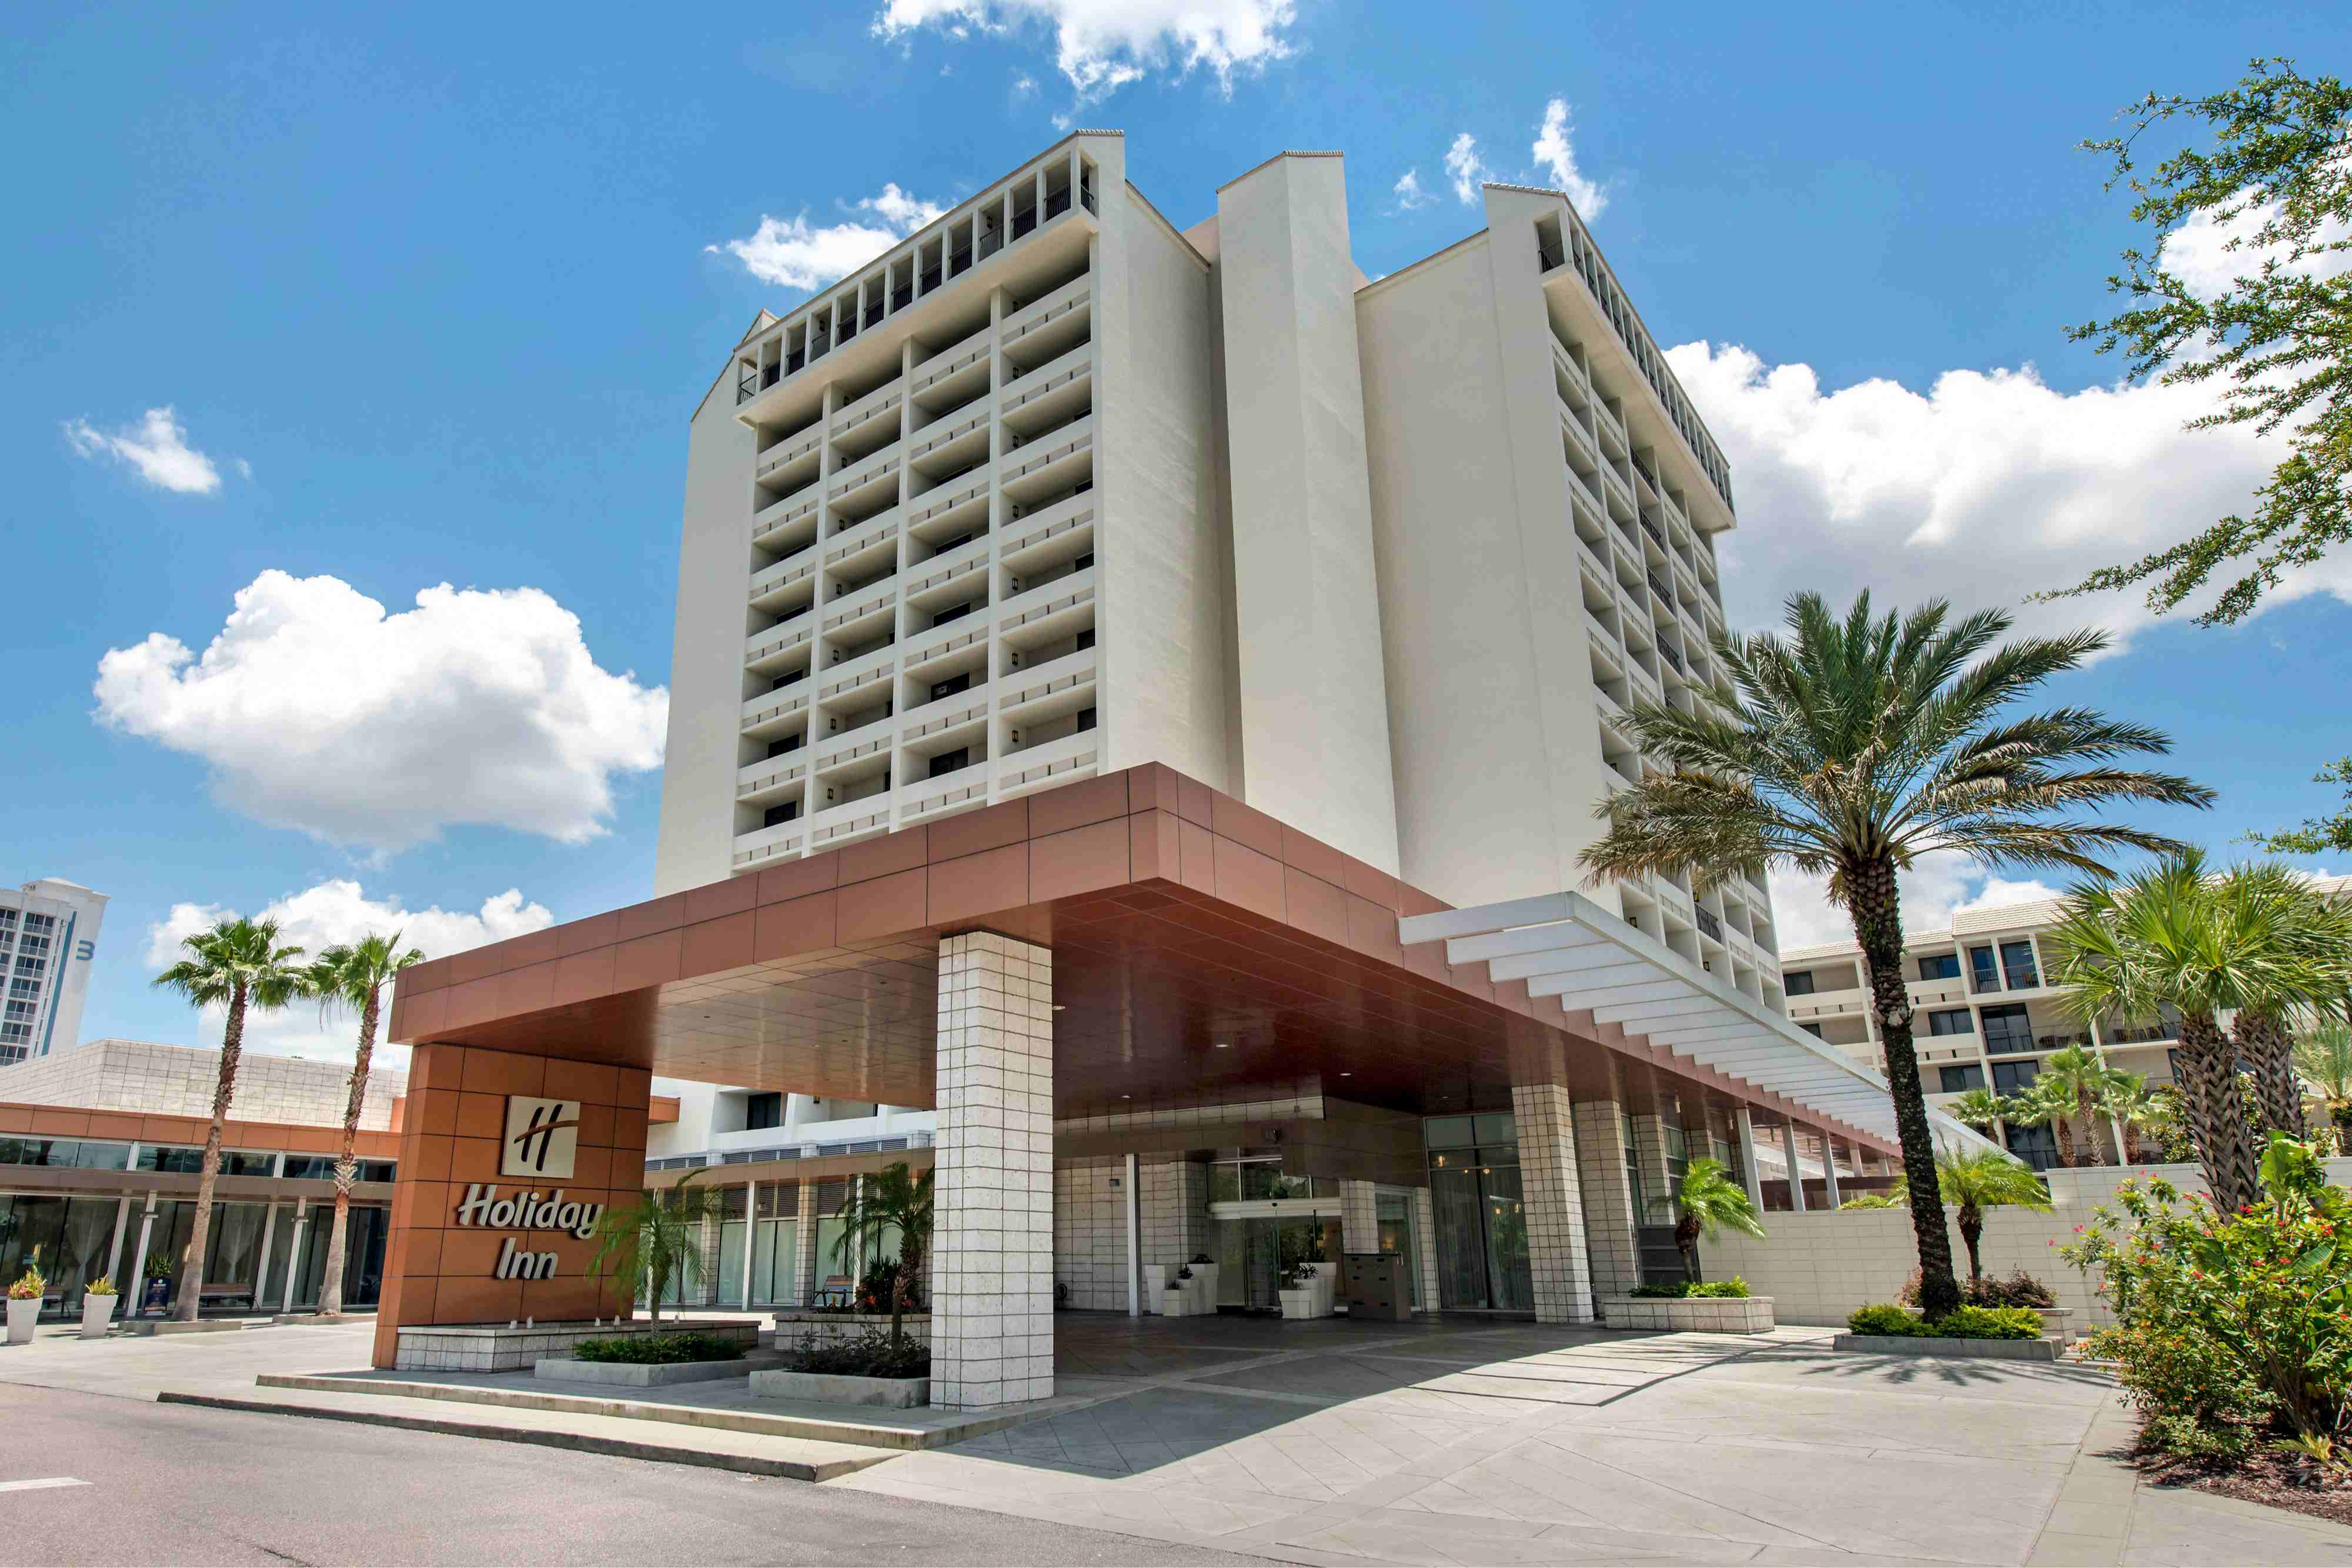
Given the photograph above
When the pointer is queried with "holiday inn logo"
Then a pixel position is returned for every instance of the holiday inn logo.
(542, 1138)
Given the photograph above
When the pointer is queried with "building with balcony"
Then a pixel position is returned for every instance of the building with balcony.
(48, 936)
(1055, 488)
(1987, 1017)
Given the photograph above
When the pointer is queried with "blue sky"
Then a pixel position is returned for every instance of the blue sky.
(432, 292)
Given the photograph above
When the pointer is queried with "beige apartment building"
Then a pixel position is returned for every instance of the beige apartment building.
(1987, 1017)
(1055, 488)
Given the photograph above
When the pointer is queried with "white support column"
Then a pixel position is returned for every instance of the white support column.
(114, 1248)
(1559, 1267)
(1829, 1169)
(805, 1263)
(294, 1251)
(1360, 1218)
(1606, 1189)
(261, 1264)
(1796, 1173)
(751, 1235)
(1744, 1128)
(1131, 1210)
(992, 1302)
(1424, 1235)
(139, 1272)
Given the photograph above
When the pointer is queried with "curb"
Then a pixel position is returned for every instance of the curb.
(577, 1442)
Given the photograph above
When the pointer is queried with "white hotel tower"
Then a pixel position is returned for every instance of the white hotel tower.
(1055, 488)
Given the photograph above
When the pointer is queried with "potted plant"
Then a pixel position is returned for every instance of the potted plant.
(98, 1299)
(1175, 1299)
(25, 1300)
(1297, 1291)
(1204, 1282)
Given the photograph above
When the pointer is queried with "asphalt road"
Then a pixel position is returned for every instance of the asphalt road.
(179, 1484)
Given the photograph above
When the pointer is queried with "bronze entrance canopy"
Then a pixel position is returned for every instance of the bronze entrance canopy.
(1202, 952)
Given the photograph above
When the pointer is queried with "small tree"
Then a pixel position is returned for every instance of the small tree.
(1706, 1203)
(354, 976)
(2078, 1078)
(239, 966)
(2323, 1056)
(643, 1246)
(1973, 1180)
(2036, 1105)
(894, 1199)
(1979, 1108)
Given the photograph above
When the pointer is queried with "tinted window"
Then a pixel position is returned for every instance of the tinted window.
(1980, 966)
(1951, 1020)
(763, 1111)
(2006, 1030)
(1797, 982)
(2011, 1076)
(1961, 1080)
(1940, 966)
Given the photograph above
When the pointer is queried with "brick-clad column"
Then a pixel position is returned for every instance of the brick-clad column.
(1424, 1230)
(993, 1300)
(1558, 1263)
(1360, 1218)
(1657, 1169)
(1607, 1191)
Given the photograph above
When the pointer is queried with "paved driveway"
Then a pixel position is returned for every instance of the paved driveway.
(1468, 1443)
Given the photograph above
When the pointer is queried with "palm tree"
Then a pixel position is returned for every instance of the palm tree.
(1855, 746)
(2036, 1106)
(2175, 937)
(893, 1199)
(2319, 931)
(1973, 1180)
(1707, 1202)
(2130, 1106)
(237, 965)
(354, 976)
(2323, 1056)
(660, 1235)
(2081, 1082)
(1979, 1108)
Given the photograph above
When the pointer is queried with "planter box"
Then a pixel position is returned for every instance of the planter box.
(1299, 1303)
(97, 1315)
(493, 1347)
(794, 1325)
(637, 1374)
(152, 1326)
(839, 1388)
(1922, 1344)
(2053, 1322)
(1154, 1291)
(1690, 1314)
(1178, 1303)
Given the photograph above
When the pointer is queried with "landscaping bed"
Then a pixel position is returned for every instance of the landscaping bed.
(1993, 1333)
(647, 1361)
(871, 1369)
(1683, 1306)
(2273, 1478)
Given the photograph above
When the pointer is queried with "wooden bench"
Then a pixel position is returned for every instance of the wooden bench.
(836, 1291)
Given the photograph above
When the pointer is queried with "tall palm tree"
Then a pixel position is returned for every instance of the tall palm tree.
(2176, 937)
(1706, 1203)
(2036, 1105)
(893, 1199)
(1979, 1108)
(2080, 1080)
(2318, 932)
(1973, 1180)
(1856, 745)
(2323, 1056)
(354, 976)
(660, 1234)
(2130, 1106)
(239, 965)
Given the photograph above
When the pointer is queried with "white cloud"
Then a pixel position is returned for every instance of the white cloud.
(327, 914)
(318, 711)
(1101, 46)
(1937, 887)
(1553, 151)
(1988, 485)
(2209, 257)
(158, 448)
(1024, 86)
(1410, 196)
(794, 253)
(1466, 168)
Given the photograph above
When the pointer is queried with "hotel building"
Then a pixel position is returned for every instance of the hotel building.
(49, 935)
(1139, 694)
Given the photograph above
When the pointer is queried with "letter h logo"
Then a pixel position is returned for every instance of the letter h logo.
(542, 1138)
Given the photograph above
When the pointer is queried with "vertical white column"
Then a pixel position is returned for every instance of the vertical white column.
(261, 1264)
(138, 1272)
(750, 1236)
(1606, 1189)
(993, 1306)
(1828, 1168)
(1744, 1128)
(805, 1278)
(1796, 1173)
(294, 1251)
(1424, 1235)
(1133, 1212)
(1558, 1264)
(114, 1248)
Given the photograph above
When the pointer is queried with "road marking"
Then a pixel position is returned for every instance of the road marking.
(36, 1486)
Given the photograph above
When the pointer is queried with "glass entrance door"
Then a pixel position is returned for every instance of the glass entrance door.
(1252, 1251)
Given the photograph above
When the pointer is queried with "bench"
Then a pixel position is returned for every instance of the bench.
(835, 1292)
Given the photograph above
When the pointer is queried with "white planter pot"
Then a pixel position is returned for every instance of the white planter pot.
(22, 1315)
(1155, 1280)
(97, 1315)
(1204, 1287)
(1176, 1303)
(1326, 1285)
(1299, 1303)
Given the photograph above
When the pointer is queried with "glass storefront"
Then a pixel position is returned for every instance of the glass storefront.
(1254, 1251)
(1481, 1213)
(73, 1235)
(75, 1239)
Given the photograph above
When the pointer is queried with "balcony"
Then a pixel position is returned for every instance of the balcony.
(767, 844)
(1709, 925)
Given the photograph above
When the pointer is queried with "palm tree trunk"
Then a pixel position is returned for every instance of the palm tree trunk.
(2090, 1114)
(191, 1261)
(1874, 904)
(2216, 1119)
(331, 1293)
(2339, 1115)
(2262, 1038)
(1971, 1232)
(2065, 1140)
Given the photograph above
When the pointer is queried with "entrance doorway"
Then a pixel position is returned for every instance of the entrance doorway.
(1253, 1251)
(1481, 1211)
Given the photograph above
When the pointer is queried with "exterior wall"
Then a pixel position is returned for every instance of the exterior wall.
(711, 1117)
(1090, 1233)
(1314, 706)
(49, 937)
(706, 672)
(1165, 552)
(178, 1081)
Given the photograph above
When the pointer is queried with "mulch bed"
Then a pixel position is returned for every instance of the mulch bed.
(2267, 1475)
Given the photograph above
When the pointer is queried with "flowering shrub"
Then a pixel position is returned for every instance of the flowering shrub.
(2229, 1322)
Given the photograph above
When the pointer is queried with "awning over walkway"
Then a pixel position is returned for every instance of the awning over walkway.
(1563, 944)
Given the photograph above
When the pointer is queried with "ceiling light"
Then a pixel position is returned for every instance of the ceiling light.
(1347, 1075)
(1225, 1045)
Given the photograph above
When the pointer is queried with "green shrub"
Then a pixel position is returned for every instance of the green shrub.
(1671, 1290)
(1883, 1318)
(2019, 1289)
(1734, 1287)
(869, 1354)
(2229, 1322)
(658, 1349)
(2181, 1435)
(1988, 1322)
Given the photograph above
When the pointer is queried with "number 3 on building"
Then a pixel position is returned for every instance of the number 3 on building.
(85, 950)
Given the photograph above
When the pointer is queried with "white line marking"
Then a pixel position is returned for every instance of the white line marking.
(36, 1486)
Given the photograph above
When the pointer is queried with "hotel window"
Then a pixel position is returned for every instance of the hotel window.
(2008, 1077)
(2037, 1146)
(2017, 963)
(1961, 1080)
(762, 1110)
(1940, 966)
(777, 816)
(1797, 982)
(322, 1168)
(1814, 1029)
(2006, 1030)
(1980, 967)
(1951, 1020)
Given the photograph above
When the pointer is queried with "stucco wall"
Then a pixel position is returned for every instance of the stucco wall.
(179, 1079)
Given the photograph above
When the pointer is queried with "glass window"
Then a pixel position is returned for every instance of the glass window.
(1814, 1029)
(2037, 1146)
(66, 1152)
(2017, 962)
(2008, 1077)
(1940, 966)
(1985, 977)
(1797, 982)
(1449, 1132)
(763, 1111)
(1961, 1080)
(1951, 1020)
(2006, 1030)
